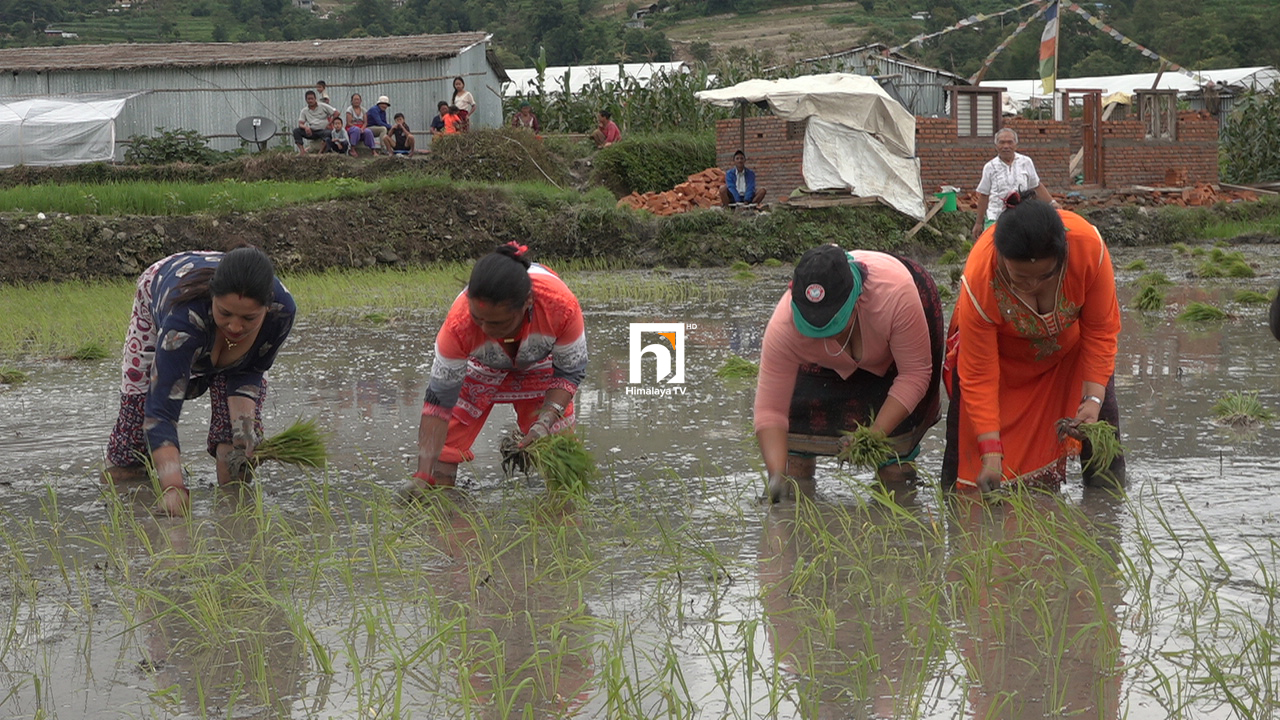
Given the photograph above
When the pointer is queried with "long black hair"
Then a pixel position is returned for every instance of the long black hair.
(244, 271)
(1030, 229)
(502, 276)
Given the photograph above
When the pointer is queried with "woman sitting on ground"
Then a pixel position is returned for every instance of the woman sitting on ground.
(515, 335)
(357, 126)
(1033, 347)
(201, 321)
(857, 340)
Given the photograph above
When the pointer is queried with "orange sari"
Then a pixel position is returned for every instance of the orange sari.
(1020, 371)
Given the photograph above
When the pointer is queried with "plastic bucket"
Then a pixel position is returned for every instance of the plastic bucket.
(948, 201)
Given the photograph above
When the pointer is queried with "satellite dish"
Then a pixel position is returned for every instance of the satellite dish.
(257, 129)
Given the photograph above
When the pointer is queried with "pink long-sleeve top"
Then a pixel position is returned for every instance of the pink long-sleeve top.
(894, 330)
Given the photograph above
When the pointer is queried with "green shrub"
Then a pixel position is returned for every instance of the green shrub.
(172, 146)
(653, 163)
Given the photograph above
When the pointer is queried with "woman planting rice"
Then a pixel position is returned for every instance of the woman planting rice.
(856, 341)
(514, 335)
(1032, 341)
(201, 321)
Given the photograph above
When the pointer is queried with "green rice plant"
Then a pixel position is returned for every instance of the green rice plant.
(744, 275)
(737, 367)
(564, 462)
(1197, 311)
(949, 257)
(89, 352)
(378, 318)
(865, 448)
(11, 376)
(772, 263)
(1136, 265)
(302, 444)
(1198, 252)
(1240, 409)
(740, 265)
(1149, 299)
(1105, 442)
(1154, 278)
(1251, 297)
(1181, 248)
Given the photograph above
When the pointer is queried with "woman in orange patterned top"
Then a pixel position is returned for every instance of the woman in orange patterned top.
(514, 335)
(1032, 343)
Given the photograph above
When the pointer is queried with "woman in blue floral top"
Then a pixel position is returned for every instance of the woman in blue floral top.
(201, 321)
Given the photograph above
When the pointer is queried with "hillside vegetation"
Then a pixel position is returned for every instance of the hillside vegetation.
(1200, 34)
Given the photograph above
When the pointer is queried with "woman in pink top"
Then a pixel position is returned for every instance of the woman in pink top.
(857, 339)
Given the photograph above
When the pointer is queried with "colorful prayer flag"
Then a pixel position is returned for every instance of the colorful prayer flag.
(1049, 50)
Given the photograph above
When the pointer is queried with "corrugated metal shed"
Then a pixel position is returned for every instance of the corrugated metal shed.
(208, 87)
(920, 88)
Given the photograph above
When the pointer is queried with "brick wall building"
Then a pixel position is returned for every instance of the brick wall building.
(774, 149)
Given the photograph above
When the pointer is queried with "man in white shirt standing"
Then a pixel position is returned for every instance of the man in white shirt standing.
(1008, 172)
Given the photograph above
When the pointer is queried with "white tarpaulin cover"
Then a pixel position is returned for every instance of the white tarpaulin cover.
(59, 129)
(859, 138)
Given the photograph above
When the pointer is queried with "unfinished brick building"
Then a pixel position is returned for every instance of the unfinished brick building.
(1153, 144)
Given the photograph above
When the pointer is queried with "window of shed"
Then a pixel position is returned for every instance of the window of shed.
(976, 111)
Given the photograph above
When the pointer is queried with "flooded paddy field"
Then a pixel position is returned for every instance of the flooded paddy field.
(671, 591)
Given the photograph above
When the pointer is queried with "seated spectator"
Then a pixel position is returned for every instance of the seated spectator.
(526, 119)
(357, 128)
(454, 122)
(313, 122)
(376, 118)
(338, 141)
(399, 141)
(438, 122)
(606, 132)
(740, 184)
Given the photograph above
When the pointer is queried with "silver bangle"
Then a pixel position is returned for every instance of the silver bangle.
(557, 407)
(1094, 398)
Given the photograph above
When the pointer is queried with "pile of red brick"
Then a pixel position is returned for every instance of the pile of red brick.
(1199, 195)
(701, 190)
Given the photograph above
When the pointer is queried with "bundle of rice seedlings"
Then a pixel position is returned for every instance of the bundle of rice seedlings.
(12, 376)
(89, 353)
(302, 443)
(1105, 440)
(740, 266)
(866, 448)
(1202, 312)
(1149, 299)
(735, 367)
(949, 257)
(1138, 264)
(1181, 248)
(772, 262)
(564, 462)
(1251, 297)
(1154, 278)
(1241, 409)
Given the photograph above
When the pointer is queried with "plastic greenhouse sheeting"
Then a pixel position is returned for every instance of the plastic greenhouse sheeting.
(59, 129)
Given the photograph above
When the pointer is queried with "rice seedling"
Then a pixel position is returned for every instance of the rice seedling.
(1251, 297)
(1154, 278)
(1198, 252)
(1181, 248)
(1202, 312)
(949, 257)
(736, 367)
(89, 352)
(772, 263)
(740, 266)
(865, 448)
(564, 462)
(1136, 265)
(378, 318)
(302, 444)
(1104, 440)
(1149, 299)
(744, 275)
(11, 376)
(1241, 409)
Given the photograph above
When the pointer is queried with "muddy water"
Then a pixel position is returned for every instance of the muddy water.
(680, 466)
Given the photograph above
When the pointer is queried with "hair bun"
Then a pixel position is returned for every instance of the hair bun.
(1012, 200)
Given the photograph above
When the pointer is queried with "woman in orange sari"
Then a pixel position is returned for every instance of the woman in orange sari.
(1032, 342)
